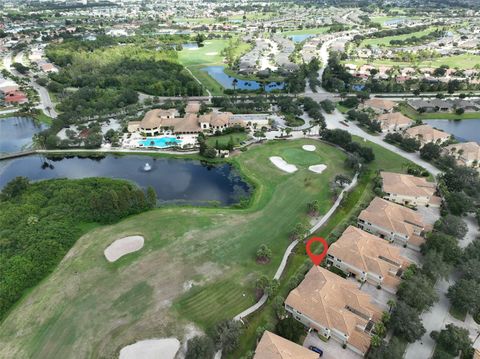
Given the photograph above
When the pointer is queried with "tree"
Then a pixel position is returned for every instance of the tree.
(392, 350)
(452, 225)
(299, 231)
(264, 254)
(406, 323)
(290, 329)
(14, 188)
(418, 292)
(453, 340)
(430, 151)
(226, 335)
(464, 295)
(410, 144)
(278, 307)
(458, 203)
(434, 267)
(342, 180)
(151, 197)
(444, 244)
(470, 269)
(313, 208)
(200, 348)
(328, 106)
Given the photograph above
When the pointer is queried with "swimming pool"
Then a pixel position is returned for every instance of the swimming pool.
(160, 142)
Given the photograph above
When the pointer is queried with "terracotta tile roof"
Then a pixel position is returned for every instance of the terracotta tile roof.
(476, 354)
(359, 340)
(216, 118)
(471, 150)
(392, 217)
(328, 299)
(407, 185)
(394, 119)
(192, 107)
(272, 346)
(381, 104)
(426, 133)
(368, 253)
(189, 123)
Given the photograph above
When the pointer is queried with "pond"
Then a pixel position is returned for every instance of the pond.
(16, 133)
(218, 73)
(463, 130)
(300, 37)
(174, 180)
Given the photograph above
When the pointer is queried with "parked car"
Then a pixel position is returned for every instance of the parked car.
(316, 350)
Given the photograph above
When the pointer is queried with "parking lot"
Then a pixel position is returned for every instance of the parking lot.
(331, 348)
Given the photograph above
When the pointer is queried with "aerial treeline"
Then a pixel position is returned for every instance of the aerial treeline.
(104, 76)
(39, 223)
(414, 40)
(357, 39)
(344, 140)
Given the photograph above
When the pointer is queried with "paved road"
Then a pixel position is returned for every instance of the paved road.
(46, 104)
(292, 245)
(438, 316)
(334, 121)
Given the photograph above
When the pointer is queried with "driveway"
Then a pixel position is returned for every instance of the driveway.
(380, 296)
(331, 348)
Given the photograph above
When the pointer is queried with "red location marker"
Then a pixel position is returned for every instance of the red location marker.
(317, 258)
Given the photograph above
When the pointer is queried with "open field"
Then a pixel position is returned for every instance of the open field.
(385, 41)
(464, 61)
(359, 197)
(208, 55)
(89, 308)
(224, 139)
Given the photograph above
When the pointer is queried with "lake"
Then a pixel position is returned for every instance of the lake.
(300, 37)
(218, 73)
(174, 180)
(464, 130)
(16, 133)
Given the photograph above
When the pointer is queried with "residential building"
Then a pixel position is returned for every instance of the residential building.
(272, 346)
(14, 97)
(334, 308)
(368, 258)
(427, 134)
(393, 122)
(380, 105)
(408, 190)
(466, 153)
(393, 222)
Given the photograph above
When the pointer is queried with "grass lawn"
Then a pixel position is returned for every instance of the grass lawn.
(457, 314)
(208, 55)
(353, 203)
(414, 115)
(464, 61)
(385, 41)
(224, 139)
(197, 265)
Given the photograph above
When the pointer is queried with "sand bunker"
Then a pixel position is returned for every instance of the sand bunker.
(123, 246)
(151, 349)
(281, 164)
(309, 148)
(317, 168)
(211, 53)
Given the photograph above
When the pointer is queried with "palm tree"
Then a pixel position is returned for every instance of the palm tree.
(234, 84)
(391, 305)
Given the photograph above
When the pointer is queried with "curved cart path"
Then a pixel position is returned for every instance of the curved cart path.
(292, 245)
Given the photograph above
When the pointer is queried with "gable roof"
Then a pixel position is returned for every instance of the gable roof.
(407, 185)
(272, 346)
(392, 217)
